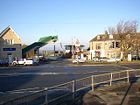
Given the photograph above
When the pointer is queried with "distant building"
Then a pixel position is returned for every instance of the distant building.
(10, 44)
(105, 45)
(72, 50)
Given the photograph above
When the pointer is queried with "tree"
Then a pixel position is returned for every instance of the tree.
(126, 30)
(136, 44)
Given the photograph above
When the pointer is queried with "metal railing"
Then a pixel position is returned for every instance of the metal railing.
(52, 94)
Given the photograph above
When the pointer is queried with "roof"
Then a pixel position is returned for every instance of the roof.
(105, 37)
(73, 45)
(48, 38)
(42, 41)
(6, 30)
(33, 45)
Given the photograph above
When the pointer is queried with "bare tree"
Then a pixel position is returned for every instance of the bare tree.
(111, 30)
(126, 30)
(136, 45)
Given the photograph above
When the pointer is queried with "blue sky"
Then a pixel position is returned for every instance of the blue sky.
(82, 19)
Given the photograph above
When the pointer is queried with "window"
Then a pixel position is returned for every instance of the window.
(112, 45)
(98, 46)
(98, 37)
(110, 36)
(9, 41)
(118, 44)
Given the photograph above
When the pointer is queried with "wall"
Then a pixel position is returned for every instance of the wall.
(10, 44)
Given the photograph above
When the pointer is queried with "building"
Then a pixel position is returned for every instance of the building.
(10, 45)
(105, 45)
(73, 51)
(32, 50)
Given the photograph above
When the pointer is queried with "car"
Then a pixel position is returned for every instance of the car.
(23, 62)
(114, 60)
(100, 59)
(103, 59)
(95, 59)
(79, 60)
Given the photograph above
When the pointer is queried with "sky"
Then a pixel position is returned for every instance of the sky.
(81, 19)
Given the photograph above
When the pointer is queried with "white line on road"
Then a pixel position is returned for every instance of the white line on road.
(49, 73)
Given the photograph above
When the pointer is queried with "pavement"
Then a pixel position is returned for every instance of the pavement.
(118, 94)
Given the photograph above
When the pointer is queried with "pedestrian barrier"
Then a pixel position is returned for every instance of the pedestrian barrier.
(50, 95)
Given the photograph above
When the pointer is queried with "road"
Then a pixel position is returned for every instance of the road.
(14, 78)
(23, 77)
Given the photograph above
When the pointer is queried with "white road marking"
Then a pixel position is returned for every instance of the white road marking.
(49, 73)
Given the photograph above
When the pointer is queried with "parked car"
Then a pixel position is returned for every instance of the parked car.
(134, 57)
(100, 59)
(96, 59)
(79, 60)
(103, 59)
(23, 62)
(114, 60)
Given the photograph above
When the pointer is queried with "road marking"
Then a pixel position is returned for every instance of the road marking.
(26, 90)
(50, 73)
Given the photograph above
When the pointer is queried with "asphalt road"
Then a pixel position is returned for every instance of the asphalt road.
(23, 77)
(14, 78)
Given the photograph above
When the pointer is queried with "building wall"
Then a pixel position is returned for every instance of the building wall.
(14, 50)
(104, 49)
(10, 44)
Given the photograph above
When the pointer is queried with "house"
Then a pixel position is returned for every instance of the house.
(105, 45)
(10, 44)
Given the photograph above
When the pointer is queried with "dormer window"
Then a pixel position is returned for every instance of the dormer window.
(110, 36)
(98, 37)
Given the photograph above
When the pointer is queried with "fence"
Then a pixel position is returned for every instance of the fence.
(52, 94)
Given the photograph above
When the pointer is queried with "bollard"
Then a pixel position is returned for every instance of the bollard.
(127, 76)
(92, 84)
(110, 79)
(46, 96)
(73, 86)
(73, 89)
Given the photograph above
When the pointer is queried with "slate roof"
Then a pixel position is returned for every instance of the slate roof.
(105, 37)
(4, 31)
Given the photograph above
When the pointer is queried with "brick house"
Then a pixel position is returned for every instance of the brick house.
(105, 45)
(10, 44)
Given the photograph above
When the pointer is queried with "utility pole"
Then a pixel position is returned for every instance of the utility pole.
(72, 48)
(54, 49)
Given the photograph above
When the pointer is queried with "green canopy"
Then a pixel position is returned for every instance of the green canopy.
(48, 38)
(42, 41)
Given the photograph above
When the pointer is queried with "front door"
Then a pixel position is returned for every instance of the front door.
(10, 58)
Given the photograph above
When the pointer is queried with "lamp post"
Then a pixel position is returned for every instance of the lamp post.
(54, 47)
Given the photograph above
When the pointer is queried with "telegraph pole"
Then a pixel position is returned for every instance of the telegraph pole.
(72, 49)
(54, 49)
